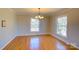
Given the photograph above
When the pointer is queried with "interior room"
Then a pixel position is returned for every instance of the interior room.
(39, 28)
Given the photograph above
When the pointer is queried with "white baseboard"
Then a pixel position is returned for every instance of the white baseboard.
(74, 45)
(65, 41)
(40, 34)
(7, 43)
(60, 39)
(21, 35)
(33, 34)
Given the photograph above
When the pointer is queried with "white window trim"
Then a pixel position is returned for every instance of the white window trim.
(31, 28)
(57, 25)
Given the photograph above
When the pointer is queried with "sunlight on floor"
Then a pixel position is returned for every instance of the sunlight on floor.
(34, 43)
(60, 46)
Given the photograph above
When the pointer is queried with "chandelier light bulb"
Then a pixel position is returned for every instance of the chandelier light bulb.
(39, 16)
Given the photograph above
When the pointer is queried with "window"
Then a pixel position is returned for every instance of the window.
(34, 25)
(62, 26)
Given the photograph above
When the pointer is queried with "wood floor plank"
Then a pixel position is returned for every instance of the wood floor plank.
(41, 42)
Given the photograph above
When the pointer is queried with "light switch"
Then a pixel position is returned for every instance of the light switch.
(3, 23)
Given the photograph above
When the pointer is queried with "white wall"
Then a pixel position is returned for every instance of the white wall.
(73, 26)
(24, 26)
(9, 32)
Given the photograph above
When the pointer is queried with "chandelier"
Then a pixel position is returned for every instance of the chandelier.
(39, 16)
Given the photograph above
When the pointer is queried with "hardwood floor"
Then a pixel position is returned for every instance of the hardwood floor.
(42, 42)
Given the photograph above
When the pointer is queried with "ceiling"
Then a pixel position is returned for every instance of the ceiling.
(34, 11)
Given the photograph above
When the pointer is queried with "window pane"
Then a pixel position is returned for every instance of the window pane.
(34, 25)
(62, 26)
